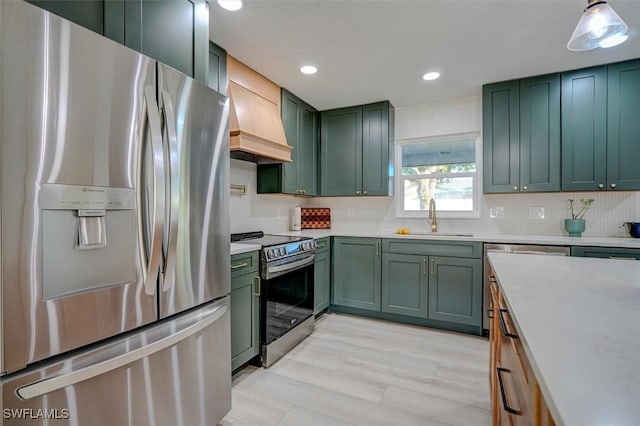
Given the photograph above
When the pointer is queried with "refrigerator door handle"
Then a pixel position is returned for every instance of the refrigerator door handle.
(53, 384)
(173, 192)
(155, 250)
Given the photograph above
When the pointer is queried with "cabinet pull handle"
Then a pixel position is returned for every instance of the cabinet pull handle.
(524, 188)
(239, 265)
(515, 188)
(622, 258)
(600, 185)
(424, 266)
(365, 192)
(432, 268)
(503, 325)
(321, 245)
(613, 186)
(357, 192)
(490, 313)
(502, 392)
(256, 283)
(378, 248)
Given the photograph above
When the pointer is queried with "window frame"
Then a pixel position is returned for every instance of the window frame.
(400, 212)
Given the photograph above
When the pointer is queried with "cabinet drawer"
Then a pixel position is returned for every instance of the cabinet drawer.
(244, 263)
(606, 252)
(322, 245)
(433, 248)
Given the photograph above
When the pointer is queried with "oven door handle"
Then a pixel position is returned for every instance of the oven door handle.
(290, 266)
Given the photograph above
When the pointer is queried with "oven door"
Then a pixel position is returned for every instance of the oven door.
(287, 300)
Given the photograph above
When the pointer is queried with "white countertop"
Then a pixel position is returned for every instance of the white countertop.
(239, 248)
(486, 238)
(579, 321)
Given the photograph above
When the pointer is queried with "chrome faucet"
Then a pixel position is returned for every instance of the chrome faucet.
(432, 215)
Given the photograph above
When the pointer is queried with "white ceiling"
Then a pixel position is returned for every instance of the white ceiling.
(371, 50)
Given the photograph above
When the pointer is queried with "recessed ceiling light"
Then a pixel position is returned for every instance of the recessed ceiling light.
(232, 5)
(431, 75)
(308, 69)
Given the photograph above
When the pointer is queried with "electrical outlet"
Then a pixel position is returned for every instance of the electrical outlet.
(536, 212)
(496, 212)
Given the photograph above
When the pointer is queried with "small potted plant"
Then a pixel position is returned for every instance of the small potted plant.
(575, 225)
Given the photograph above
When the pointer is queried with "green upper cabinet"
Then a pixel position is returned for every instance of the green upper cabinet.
(623, 125)
(521, 127)
(501, 131)
(175, 32)
(584, 129)
(104, 17)
(217, 68)
(600, 128)
(540, 133)
(356, 154)
(356, 272)
(300, 121)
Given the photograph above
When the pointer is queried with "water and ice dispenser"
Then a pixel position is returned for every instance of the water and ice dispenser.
(88, 238)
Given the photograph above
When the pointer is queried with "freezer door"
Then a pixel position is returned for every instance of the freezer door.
(196, 245)
(175, 373)
(73, 254)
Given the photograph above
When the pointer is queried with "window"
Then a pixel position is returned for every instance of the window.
(442, 168)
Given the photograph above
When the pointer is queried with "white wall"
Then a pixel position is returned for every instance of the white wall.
(271, 212)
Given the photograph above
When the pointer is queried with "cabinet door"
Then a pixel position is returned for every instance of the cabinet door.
(501, 128)
(322, 282)
(404, 284)
(455, 290)
(623, 125)
(375, 149)
(356, 273)
(540, 133)
(341, 151)
(308, 147)
(104, 17)
(245, 334)
(175, 32)
(290, 112)
(217, 68)
(584, 129)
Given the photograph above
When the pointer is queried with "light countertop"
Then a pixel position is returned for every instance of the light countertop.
(579, 322)
(239, 248)
(486, 238)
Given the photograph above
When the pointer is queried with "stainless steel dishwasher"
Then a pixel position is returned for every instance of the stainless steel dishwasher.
(513, 248)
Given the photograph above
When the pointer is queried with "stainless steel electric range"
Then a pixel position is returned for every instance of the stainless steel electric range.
(286, 291)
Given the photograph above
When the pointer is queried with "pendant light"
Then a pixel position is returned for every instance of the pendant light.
(599, 26)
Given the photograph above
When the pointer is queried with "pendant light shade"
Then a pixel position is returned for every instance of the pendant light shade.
(599, 26)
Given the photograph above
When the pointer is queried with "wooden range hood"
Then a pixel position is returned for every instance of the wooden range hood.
(255, 125)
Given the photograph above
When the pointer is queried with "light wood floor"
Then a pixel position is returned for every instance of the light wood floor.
(358, 371)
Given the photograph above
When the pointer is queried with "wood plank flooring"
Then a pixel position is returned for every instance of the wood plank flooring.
(359, 371)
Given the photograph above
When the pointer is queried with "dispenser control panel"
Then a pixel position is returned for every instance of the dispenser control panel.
(55, 196)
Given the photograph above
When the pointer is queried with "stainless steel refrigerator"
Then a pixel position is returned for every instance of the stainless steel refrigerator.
(114, 235)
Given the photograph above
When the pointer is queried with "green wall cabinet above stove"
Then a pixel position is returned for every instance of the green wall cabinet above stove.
(171, 31)
(356, 150)
(298, 177)
(521, 135)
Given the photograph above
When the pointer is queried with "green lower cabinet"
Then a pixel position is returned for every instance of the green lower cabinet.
(356, 272)
(404, 284)
(455, 290)
(245, 317)
(322, 282)
(606, 252)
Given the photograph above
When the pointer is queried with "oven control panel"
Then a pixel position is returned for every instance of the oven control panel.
(289, 249)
